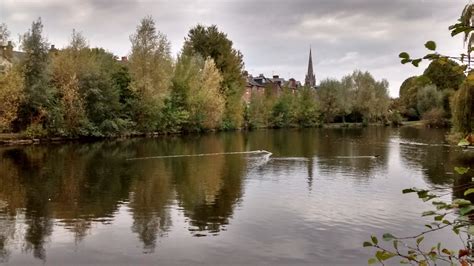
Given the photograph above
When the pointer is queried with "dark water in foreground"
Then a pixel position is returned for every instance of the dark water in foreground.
(310, 203)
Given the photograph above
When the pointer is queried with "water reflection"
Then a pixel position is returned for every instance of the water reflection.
(69, 191)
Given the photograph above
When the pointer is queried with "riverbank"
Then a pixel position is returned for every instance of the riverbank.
(9, 139)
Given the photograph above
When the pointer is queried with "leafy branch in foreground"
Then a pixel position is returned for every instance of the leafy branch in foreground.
(410, 250)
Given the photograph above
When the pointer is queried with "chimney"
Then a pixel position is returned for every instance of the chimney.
(8, 52)
(124, 59)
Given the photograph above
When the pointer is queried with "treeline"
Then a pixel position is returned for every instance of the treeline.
(84, 91)
(357, 97)
(431, 96)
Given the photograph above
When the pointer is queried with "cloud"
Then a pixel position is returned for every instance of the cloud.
(274, 36)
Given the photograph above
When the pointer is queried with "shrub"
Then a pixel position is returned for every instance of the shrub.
(435, 117)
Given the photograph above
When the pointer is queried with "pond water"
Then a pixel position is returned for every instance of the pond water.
(312, 202)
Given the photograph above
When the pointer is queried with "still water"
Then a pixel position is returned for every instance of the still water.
(313, 202)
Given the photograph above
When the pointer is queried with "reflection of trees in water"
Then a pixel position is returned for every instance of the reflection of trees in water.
(65, 182)
(81, 184)
(325, 146)
(151, 193)
(433, 160)
(209, 187)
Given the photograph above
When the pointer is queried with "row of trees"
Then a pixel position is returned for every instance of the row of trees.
(357, 97)
(430, 95)
(83, 91)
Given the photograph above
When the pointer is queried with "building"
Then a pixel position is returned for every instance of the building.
(310, 79)
(6, 57)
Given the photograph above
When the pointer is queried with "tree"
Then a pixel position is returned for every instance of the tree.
(328, 101)
(4, 34)
(150, 67)
(370, 96)
(307, 113)
(445, 74)
(463, 109)
(210, 42)
(65, 71)
(11, 95)
(206, 105)
(345, 97)
(429, 97)
(38, 93)
(409, 93)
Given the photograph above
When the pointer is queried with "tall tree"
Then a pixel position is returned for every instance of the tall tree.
(207, 104)
(150, 66)
(38, 92)
(210, 42)
(328, 101)
(445, 74)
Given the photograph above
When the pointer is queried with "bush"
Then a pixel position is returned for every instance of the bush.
(435, 117)
(35, 130)
(395, 118)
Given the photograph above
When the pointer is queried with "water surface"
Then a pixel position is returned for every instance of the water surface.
(313, 202)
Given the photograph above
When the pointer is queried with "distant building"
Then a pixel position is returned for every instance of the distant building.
(6, 57)
(9, 57)
(310, 79)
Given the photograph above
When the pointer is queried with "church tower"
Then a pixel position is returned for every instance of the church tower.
(310, 79)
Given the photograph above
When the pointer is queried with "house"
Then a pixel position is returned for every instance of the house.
(6, 57)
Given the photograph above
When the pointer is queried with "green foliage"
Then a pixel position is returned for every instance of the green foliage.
(210, 42)
(284, 111)
(463, 108)
(328, 98)
(445, 74)
(150, 67)
(11, 96)
(38, 93)
(429, 97)
(412, 251)
(307, 113)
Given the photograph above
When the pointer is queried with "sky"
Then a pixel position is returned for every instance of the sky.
(274, 36)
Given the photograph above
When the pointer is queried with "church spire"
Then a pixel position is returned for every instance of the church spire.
(310, 79)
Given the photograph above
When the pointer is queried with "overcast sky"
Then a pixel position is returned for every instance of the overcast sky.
(274, 36)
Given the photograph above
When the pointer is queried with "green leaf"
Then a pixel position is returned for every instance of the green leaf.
(446, 251)
(422, 193)
(387, 237)
(418, 240)
(408, 190)
(429, 226)
(462, 202)
(466, 210)
(384, 255)
(428, 213)
(395, 244)
(372, 261)
(374, 240)
(367, 244)
(439, 217)
(461, 170)
(416, 62)
(430, 45)
(404, 55)
(469, 191)
(405, 61)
